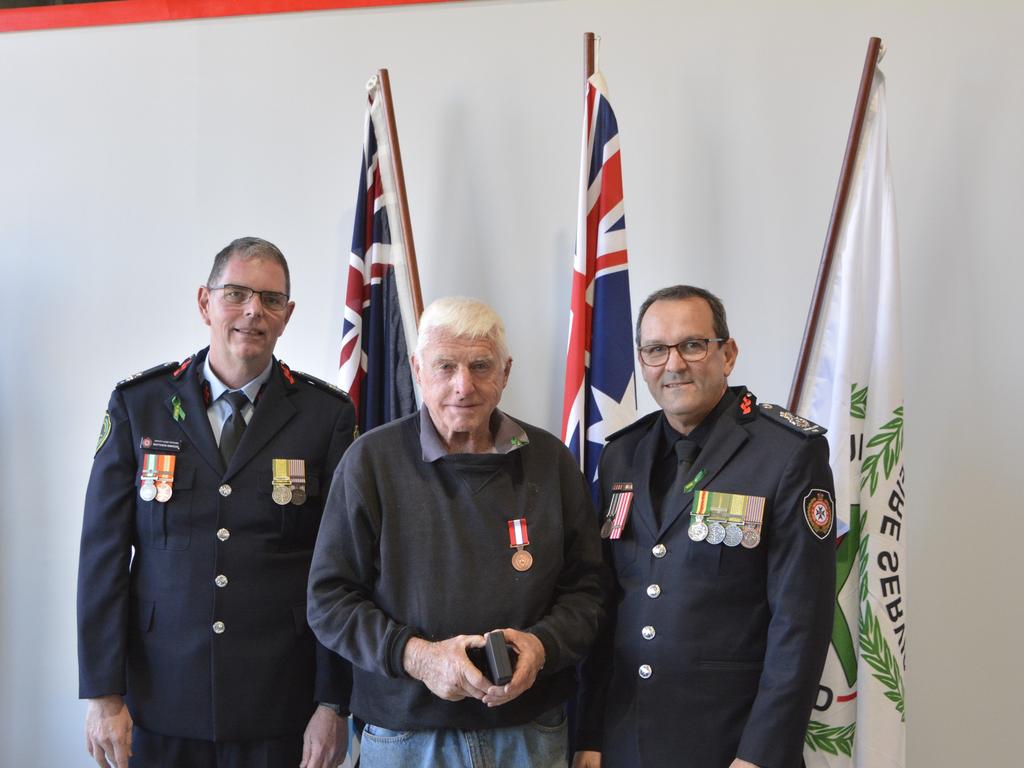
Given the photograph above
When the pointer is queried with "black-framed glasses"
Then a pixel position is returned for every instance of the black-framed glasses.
(275, 301)
(691, 350)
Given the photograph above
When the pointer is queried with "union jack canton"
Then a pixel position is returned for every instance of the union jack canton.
(379, 326)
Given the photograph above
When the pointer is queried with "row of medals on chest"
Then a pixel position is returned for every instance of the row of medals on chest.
(289, 483)
(720, 531)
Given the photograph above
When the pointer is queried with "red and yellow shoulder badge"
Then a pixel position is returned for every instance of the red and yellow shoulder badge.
(819, 512)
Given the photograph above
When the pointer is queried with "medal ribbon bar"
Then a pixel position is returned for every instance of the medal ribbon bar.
(517, 533)
(622, 502)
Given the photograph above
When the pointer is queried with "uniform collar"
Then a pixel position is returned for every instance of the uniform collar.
(218, 387)
(700, 433)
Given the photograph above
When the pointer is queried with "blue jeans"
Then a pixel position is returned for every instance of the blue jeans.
(539, 744)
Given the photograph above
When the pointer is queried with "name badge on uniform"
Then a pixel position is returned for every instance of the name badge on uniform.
(619, 507)
(158, 444)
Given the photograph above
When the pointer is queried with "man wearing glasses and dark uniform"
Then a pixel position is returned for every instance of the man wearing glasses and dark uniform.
(717, 518)
(202, 510)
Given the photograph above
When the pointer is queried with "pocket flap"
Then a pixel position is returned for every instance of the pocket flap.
(265, 483)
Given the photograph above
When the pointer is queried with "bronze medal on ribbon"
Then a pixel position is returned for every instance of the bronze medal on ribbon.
(518, 538)
(522, 560)
(618, 511)
(297, 475)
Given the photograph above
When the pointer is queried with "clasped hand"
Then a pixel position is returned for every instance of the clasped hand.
(445, 668)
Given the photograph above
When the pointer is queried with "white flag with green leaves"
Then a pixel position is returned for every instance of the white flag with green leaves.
(854, 386)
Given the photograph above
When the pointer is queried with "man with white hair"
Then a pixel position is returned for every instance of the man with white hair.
(441, 527)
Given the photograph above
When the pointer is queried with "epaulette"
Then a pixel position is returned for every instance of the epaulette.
(149, 373)
(798, 424)
(291, 376)
(644, 422)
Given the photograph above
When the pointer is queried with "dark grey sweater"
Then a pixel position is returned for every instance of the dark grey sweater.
(416, 543)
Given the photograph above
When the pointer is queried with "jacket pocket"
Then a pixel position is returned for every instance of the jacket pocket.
(295, 524)
(168, 524)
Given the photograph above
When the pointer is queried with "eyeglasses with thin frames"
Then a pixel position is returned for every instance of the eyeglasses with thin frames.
(275, 301)
(691, 350)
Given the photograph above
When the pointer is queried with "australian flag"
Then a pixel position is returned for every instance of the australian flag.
(600, 392)
(379, 326)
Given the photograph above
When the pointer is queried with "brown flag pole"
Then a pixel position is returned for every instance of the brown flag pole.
(838, 211)
(403, 202)
(589, 45)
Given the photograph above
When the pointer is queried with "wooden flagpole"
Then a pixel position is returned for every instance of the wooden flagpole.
(588, 56)
(838, 210)
(403, 202)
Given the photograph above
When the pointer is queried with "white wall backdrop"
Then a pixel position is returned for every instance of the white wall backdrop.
(129, 155)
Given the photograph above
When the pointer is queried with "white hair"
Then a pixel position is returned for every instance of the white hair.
(463, 318)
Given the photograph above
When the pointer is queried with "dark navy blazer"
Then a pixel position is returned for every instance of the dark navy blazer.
(739, 635)
(149, 598)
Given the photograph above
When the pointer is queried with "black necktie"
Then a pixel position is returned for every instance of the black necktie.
(231, 433)
(686, 451)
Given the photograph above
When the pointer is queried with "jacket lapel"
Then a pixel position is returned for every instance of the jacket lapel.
(195, 424)
(271, 414)
(723, 442)
(643, 461)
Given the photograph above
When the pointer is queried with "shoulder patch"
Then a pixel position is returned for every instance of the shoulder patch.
(644, 421)
(818, 512)
(149, 373)
(104, 431)
(318, 383)
(798, 424)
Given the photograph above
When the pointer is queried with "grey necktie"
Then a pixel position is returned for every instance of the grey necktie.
(231, 433)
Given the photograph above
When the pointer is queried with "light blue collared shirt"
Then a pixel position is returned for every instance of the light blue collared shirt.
(219, 409)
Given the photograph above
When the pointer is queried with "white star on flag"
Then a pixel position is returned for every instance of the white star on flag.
(615, 414)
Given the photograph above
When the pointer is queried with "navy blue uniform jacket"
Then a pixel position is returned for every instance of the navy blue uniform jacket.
(739, 635)
(147, 596)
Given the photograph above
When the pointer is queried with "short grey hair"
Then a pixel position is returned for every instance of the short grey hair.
(680, 293)
(463, 318)
(249, 248)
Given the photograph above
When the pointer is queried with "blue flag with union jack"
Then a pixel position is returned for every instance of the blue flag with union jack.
(379, 328)
(600, 391)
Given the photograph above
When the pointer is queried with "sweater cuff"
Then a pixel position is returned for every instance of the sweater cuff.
(551, 664)
(399, 639)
